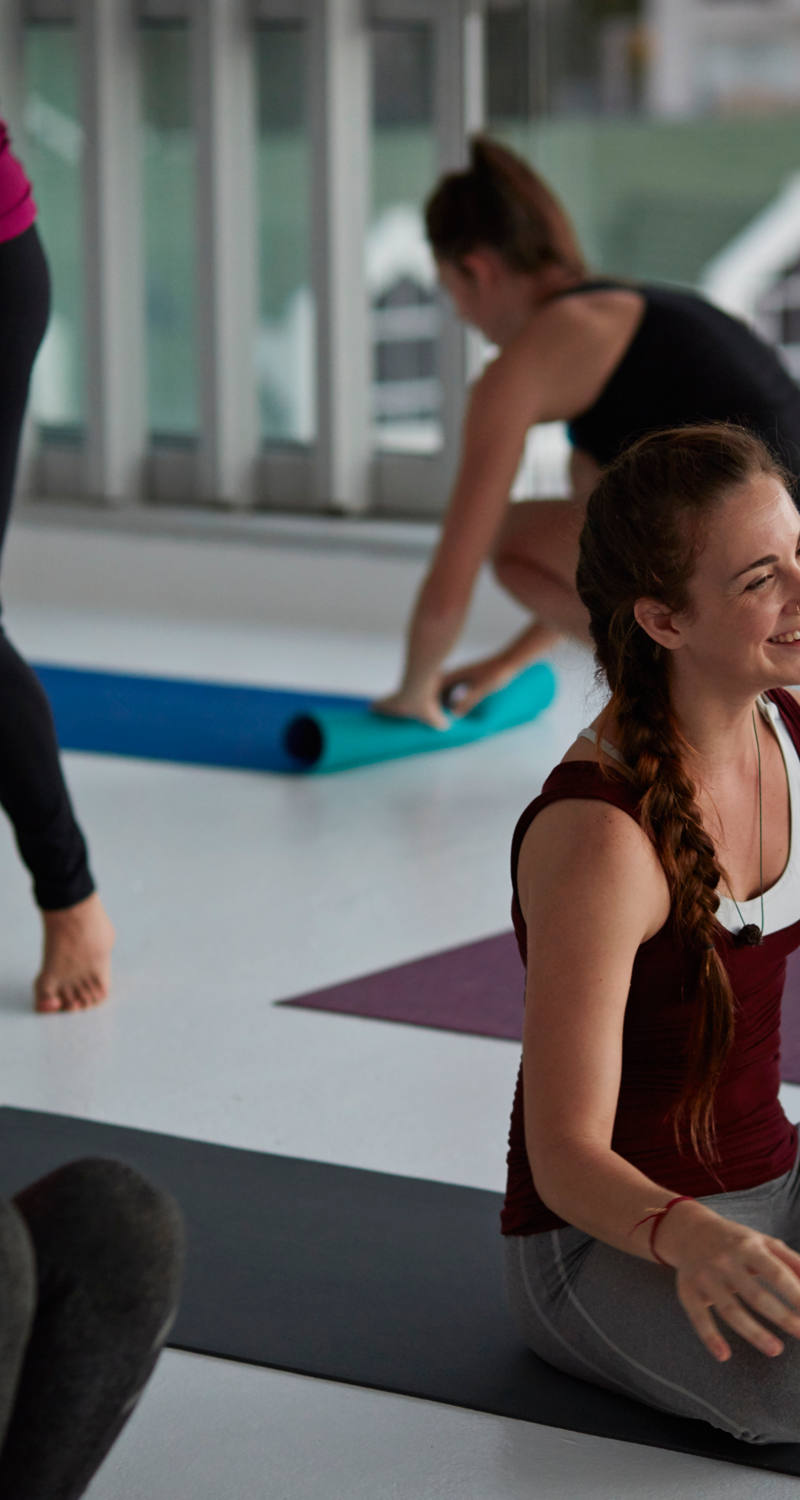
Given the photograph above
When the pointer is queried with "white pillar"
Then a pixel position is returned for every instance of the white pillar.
(670, 88)
(11, 22)
(11, 107)
(460, 111)
(115, 437)
(340, 127)
(226, 250)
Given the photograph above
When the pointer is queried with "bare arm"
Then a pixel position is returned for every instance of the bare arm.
(592, 890)
(499, 413)
(554, 369)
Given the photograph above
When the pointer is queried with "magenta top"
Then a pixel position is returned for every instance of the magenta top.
(756, 1142)
(17, 208)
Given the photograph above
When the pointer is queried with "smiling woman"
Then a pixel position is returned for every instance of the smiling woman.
(653, 1189)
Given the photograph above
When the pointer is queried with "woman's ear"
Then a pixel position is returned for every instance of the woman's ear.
(480, 265)
(659, 622)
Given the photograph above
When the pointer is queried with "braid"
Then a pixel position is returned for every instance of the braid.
(643, 531)
(651, 744)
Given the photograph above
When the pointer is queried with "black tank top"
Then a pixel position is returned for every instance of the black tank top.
(689, 362)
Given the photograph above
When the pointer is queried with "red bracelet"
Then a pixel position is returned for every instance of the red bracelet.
(656, 1218)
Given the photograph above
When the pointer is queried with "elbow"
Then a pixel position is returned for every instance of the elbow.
(556, 1169)
(551, 1192)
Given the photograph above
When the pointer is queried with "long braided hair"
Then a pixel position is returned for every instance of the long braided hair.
(500, 202)
(645, 525)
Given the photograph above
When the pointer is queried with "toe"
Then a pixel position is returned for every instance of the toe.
(47, 1001)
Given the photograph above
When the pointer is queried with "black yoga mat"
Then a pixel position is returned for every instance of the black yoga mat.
(382, 1281)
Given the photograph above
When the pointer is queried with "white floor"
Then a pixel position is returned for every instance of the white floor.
(230, 891)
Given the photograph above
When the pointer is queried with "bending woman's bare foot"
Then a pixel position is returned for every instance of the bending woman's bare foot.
(76, 961)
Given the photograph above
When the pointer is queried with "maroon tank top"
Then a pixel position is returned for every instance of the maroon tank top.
(756, 1142)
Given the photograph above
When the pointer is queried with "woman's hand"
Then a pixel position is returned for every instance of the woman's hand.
(726, 1270)
(426, 706)
(464, 687)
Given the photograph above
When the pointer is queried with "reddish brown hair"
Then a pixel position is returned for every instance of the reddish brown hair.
(645, 525)
(501, 203)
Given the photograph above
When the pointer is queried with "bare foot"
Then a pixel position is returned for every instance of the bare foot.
(76, 961)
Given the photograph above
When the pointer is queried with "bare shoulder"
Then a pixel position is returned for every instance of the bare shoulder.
(574, 344)
(584, 313)
(587, 855)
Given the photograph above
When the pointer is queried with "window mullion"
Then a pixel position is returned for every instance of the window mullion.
(458, 77)
(339, 127)
(115, 437)
(11, 20)
(227, 316)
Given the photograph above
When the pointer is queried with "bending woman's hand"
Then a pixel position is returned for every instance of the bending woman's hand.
(728, 1271)
(466, 686)
(424, 706)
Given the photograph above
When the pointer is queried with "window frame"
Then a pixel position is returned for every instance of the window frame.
(117, 464)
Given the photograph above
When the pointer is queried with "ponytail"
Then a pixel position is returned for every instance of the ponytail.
(499, 202)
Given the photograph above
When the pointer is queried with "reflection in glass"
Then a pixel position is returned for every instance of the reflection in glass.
(52, 154)
(285, 344)
(169, 194)
(406, 390)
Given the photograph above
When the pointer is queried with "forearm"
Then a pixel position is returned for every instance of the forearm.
(527, 647)
(434, 628)
(599, 1192)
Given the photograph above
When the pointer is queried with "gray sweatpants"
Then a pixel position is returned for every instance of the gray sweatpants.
(90, 1268)
(615, 1320)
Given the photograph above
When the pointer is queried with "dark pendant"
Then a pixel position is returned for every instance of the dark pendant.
(748, 936)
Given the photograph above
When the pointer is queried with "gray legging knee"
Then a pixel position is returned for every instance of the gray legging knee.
(90, 1267)
(615, 1320)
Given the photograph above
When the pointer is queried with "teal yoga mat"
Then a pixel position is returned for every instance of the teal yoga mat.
(337, 739)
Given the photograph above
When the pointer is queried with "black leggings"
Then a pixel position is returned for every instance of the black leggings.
(91, 1259)
(32, 788)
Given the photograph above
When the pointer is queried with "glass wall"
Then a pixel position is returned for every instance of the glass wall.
(168, 195)
(672, 134)
(52, 152)
(401, 278)
(286, 341)
(667, 142)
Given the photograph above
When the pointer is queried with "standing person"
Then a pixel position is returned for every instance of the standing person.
(92, 1262)
(652, 1213)
(78, 935)
(614, 359)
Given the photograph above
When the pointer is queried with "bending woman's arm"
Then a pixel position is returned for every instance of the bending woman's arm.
(499, 412)
(592, 890)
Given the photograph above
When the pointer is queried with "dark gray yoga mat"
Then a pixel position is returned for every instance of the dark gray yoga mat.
(478, 988)
(388, 1282)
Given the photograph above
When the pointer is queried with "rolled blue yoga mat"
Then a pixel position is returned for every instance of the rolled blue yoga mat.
(336, 739)
(176, 719)
(259, 728)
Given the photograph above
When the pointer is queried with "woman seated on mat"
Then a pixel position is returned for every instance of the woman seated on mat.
(92, 1262)
(614, 359)
(652, 1213)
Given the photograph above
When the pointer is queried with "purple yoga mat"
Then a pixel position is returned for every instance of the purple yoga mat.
(478, 988)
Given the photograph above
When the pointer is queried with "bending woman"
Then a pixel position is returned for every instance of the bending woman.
(78, 935)
(614, 359)
(652, 1216)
